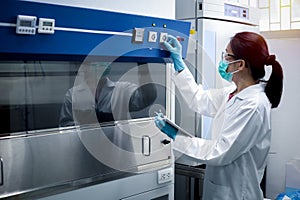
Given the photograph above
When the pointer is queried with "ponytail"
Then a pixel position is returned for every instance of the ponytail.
(274, 85)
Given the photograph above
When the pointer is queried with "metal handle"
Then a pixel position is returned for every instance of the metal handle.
(165, 141)
(146, 145)
(1, 171)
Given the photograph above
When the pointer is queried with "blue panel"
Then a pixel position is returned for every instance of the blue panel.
(78, 45)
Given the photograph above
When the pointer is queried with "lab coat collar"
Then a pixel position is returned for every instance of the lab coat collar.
(247, 92)
(107, 82)
(250, 91)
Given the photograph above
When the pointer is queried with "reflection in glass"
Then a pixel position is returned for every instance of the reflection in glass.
(117, 100)
(110, 95)
(32, 92)
(50, 94)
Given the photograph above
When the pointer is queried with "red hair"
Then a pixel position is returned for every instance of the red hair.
(253, 49)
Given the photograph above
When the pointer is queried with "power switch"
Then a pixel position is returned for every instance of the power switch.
(163, 37)
(152, 36)
(138, 35)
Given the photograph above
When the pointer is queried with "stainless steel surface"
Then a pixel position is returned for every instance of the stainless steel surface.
(139, 187)
(50, 162)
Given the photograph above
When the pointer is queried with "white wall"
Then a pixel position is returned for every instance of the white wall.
(154, 8)
(286, 118)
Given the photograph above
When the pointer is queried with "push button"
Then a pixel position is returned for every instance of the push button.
(138, 35)
(152, 36)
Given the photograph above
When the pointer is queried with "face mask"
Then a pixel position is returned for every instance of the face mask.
(223, 65)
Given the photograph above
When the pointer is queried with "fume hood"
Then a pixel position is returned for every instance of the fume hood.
(79, 91)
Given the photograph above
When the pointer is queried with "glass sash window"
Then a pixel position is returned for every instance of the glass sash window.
(50, 94)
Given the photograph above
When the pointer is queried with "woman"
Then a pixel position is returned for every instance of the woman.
(236, 155)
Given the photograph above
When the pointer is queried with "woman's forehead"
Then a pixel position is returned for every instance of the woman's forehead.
(228, 48)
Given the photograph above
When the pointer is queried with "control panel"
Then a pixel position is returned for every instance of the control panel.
(126, 37)
(46, 26)
(26, 25)
(236, 11)
(139, 34)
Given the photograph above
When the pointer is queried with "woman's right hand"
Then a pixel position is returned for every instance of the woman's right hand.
(175, 48)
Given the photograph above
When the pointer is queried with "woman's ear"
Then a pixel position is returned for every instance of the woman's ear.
(242, 64)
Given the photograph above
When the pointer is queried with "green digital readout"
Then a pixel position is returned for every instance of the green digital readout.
(25, 23)
(47, 23)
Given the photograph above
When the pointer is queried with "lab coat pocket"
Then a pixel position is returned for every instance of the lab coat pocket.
(215, 192)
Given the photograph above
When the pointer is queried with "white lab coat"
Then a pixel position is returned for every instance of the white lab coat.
(236, 155)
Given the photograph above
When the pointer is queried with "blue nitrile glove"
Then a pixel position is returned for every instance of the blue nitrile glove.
(175, 48)
(293, 195)
(164, 127)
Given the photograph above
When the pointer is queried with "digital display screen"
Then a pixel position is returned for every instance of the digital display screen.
(25, 23)
(47, 23)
